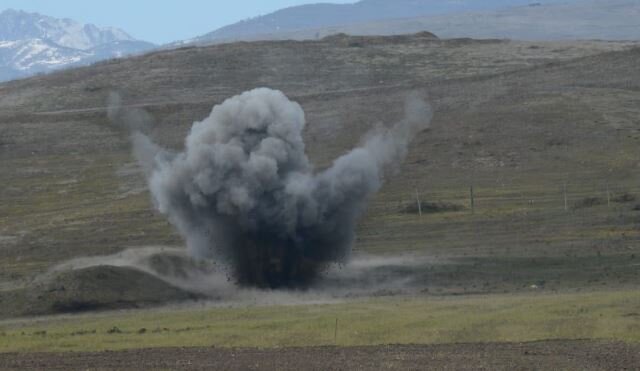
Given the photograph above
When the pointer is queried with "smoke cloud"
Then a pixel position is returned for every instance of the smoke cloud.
(244, 192)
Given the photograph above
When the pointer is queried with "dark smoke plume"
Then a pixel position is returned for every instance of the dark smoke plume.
(243, 191)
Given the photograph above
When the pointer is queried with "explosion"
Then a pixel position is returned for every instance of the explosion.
(244, 191)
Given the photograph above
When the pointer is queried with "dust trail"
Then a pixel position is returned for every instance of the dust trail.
(169, 264)
(364, 276)
(244, 192)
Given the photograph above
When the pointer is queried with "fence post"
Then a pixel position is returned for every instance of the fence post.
(473, 200)
(419, 202)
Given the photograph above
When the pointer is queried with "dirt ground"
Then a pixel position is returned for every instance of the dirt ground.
(582, 355)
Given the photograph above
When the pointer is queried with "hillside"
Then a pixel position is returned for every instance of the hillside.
(564, 20)
(546, 133)
(590, 19)
(322, 15)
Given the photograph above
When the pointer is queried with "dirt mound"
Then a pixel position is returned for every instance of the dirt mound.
(91, 288)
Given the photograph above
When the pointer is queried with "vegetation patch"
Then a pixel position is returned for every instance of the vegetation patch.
(623, 198)
(428, 207)
(588, 202)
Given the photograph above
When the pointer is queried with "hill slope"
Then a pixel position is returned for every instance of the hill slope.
(545, 132)
(591, 19)
(323, 15)
(572, 20)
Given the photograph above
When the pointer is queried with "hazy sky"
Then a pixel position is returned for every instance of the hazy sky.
(158, 21)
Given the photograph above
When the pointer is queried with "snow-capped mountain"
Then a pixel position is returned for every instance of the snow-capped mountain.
(31, 43)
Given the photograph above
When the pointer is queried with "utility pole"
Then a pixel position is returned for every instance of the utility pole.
(419, 202)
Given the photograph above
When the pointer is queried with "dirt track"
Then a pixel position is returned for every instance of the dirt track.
(583, 355)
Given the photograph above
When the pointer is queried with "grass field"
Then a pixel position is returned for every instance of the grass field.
(391, 320)
(506, 121)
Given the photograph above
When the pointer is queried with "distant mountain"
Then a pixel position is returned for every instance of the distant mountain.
(586, 19)
(318, 16)
(510, 19)
(31, 43)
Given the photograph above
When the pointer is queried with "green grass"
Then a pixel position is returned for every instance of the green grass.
(427, 320)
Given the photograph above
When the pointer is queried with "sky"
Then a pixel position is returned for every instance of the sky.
(158, 21)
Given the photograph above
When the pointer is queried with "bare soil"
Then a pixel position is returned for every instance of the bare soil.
(560, 354)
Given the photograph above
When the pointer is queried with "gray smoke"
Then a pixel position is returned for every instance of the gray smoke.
(244, 192)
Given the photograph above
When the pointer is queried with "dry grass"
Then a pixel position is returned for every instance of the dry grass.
(493, 318)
